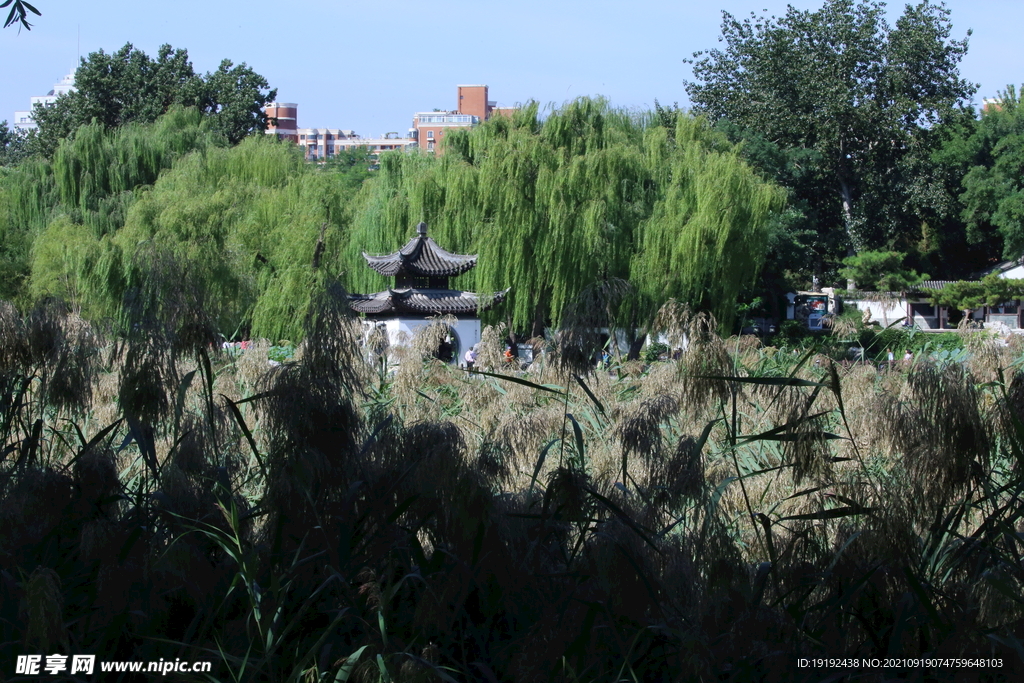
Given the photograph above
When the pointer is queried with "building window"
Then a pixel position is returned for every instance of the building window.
(302, 137)
(430, 145)
(430, 135)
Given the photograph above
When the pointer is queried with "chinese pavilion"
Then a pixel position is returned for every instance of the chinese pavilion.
(422, 270)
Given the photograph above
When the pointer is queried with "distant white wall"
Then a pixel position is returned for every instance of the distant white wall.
(885, 313)
(402, 330)
(1015, 273)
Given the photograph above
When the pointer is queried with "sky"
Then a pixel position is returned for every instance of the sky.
(369, 66)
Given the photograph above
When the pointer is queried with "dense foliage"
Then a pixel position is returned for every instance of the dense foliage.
(245, 221)
(588, 194)
(881, 271)
(993, 187)
(14, 145)
(838, 105)
(128, 86)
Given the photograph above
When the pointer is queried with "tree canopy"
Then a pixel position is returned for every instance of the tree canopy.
(589, 194)
(993, 187)
(128, 86)
(851, 98)
(14, 145)
(167, 208)
(882, 271)
(969, 295)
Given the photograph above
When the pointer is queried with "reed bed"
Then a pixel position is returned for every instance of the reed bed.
(370, 514)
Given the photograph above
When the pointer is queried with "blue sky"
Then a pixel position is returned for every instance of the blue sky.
(369, 66)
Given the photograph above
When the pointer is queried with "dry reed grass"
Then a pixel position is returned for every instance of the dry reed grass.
(569, 525)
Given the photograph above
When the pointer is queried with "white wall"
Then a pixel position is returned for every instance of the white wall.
(1015, 273)
(884, 313)
(402, 330)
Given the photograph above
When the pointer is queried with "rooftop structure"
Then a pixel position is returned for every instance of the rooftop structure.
(422, 270)
(430, 127)
(420, 257)
(23, 120)
(324, 143)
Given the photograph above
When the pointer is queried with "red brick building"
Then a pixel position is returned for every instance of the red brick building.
(428, 129)
(473, 108)
(283, 118)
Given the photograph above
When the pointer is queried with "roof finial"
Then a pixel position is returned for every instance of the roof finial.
(422, 229)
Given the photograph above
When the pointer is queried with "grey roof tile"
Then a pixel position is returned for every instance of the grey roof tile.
(424, 302)
(421, 256)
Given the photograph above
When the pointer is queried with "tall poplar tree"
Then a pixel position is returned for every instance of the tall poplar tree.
(849, 93)
(993, 187)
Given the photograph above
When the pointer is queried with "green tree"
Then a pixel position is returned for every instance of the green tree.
(128, 86)
(120, 213)
(851, 94)
(351, 166)
(993, 188)
(881, 270)
(91, 182)
(234, 97)
(992, 290)
(14, 145)
(590, 194)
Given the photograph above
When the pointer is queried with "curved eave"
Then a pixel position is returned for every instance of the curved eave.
(421, 256)
(413, 301)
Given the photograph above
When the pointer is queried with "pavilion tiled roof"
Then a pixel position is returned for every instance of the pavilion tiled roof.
(421, 256)
(933, 285)
(423, 302)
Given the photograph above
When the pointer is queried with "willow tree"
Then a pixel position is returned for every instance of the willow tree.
(707, 236)
(92, 181)
(253, 227)
(591, 193)
(245, 223)
(92, 177)
(249, 230)
(14, 249)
